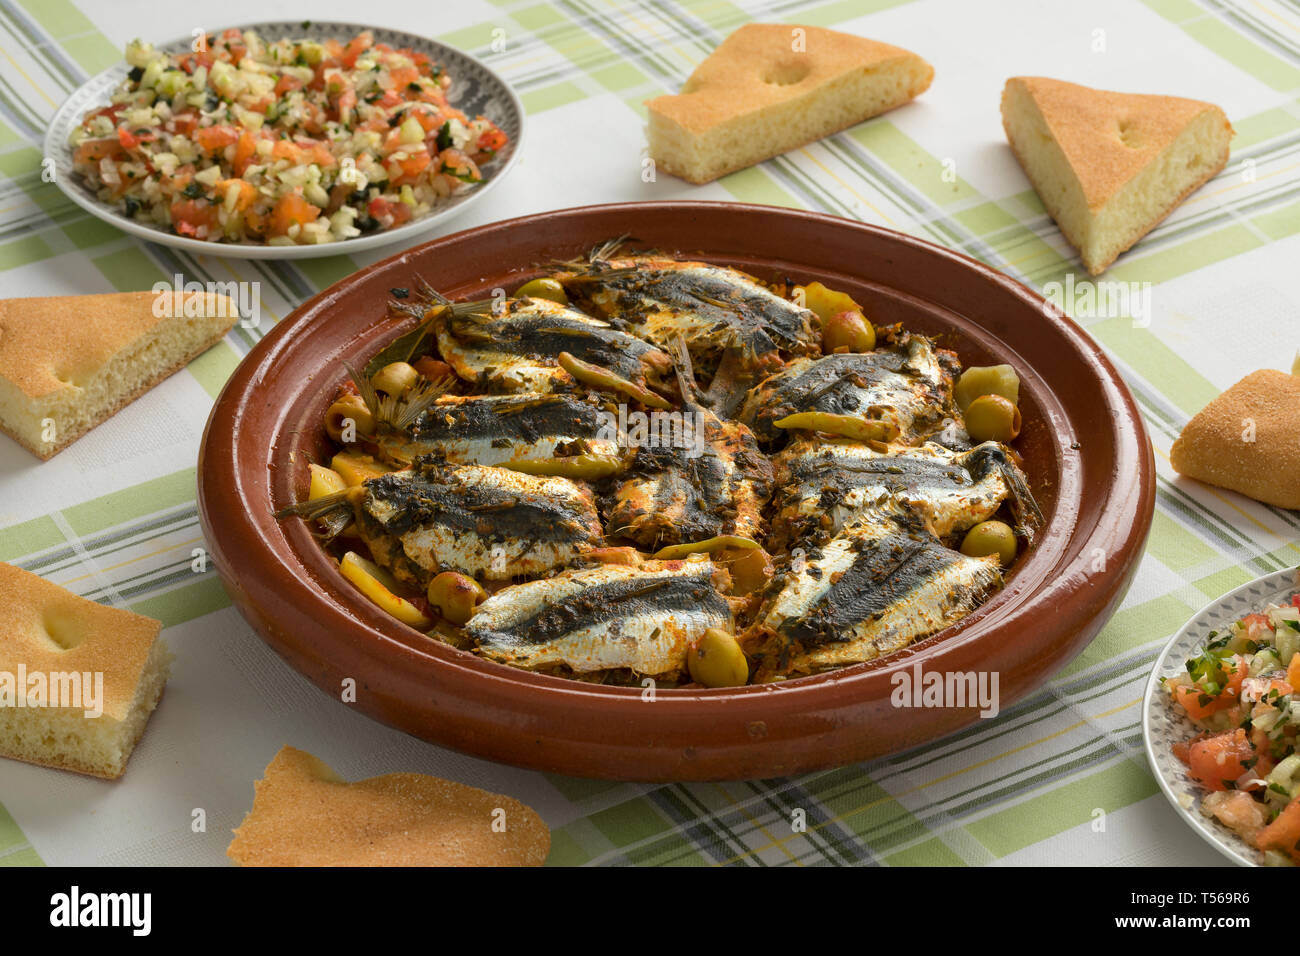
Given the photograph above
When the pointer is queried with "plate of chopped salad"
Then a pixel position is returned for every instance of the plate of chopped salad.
(285, 140)
(1221, 717)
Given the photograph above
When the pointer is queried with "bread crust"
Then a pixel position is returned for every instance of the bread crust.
(749, 84)
(304, 814)
(1213, 447)
(669, 166)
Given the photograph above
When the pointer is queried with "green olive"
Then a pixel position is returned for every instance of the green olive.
(992, 418)
(349, 407)
(825, 302)
(849, 332)
(455, 596)
(987, 380)
(395, 378)
(990, 537)
(543, 287)
(717, 660)
(750, 570)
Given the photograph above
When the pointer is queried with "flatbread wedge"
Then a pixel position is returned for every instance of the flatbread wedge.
(89, 677)
(304, 814)
(1247, 440)
(69, 362)
(772, 87)
(1107, 166)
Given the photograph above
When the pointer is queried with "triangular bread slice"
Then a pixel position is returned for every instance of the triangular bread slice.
(304, 814)
(1247, 440)
(1109, 166)
(772, 87)
(69, 362)
(60, 649)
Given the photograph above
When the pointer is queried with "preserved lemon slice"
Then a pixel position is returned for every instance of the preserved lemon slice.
(376, 584)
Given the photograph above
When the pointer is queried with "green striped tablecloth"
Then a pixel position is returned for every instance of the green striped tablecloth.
(1060, 777)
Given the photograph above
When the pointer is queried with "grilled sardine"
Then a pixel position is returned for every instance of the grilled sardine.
(711, 307)
(642, 618)
(504, 429)
(883, 582)
(735, 327)
(906, 387)
(488, 523)
(823, 485)
(517, 348)
(714, 483)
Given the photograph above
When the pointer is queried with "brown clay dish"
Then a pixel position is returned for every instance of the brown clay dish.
(1086, 454)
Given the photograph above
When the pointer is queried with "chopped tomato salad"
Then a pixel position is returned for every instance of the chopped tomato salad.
(284, 143)
(1243, 694)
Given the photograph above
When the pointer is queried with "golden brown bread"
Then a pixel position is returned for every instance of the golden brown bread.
(70, 362)
(1247, 440)
(768, 89)
(49, 631)
(1109, 166)
(304, 814)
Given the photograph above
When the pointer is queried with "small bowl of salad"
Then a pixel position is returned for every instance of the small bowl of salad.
(285, 140)
(1222, 717)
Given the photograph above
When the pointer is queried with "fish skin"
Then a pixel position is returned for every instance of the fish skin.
(500, 429)
(517, 350)
(824, 485)
(433, 517)
(907, 382)
(612, 616)
(711, 307)
(879, 585)
(671, 497)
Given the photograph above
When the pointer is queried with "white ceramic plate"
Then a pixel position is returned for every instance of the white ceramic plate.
(1164, 724)
(475, 89)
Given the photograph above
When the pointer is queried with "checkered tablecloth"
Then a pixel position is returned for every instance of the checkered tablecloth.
(1058, 778)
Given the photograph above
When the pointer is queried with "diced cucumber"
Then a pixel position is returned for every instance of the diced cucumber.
(315, 195)
(311, 52)
(1288, 645)
(152, 73)
(412, 131)
(139, 53)
(1263, 662)
(1284, 771)
(172, 82)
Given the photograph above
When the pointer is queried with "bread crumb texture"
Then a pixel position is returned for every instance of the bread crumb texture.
(69, 362)
(50, 633)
